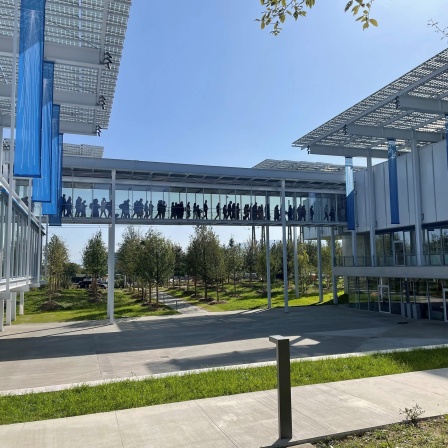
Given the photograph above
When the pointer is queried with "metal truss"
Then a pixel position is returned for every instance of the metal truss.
(412, 107)
(85, 40)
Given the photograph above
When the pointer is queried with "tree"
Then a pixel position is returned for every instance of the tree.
(276, 12)
(70, 271)
(327, 265)
(156, 260)
(180, 261)
(250, 251)
(94, 258)
(192, 261)
(56, 255)
(233, 261)
(127, 260)
(205, 257)
(305, 267)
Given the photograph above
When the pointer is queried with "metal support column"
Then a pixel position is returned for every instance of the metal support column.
(334, 278)
(28, 235)
(372, 214)
(283, 386)
(417, 203)
(354, 248)
(296, 264)
(319, 264)
(2, 313)
(39, 248)
(2, 156)
(111, 257)
(46, 249)
(13, 306)
(285, 257)
(268, 267)
(22, 304)
(8, 309)
(8, 230)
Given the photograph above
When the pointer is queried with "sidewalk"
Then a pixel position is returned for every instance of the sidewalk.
(246, 420)
(182, 306)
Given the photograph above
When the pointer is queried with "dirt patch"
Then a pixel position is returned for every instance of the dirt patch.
(51, 306)
(152, 306)
(216, 302)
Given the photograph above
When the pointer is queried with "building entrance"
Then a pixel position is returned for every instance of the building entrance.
(383, 299)
(399, 253)
(445, 296)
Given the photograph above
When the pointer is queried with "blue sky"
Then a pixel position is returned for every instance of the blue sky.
(200, 83)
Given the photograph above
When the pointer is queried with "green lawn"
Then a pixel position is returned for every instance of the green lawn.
(131, 394)
(431, 433)
(75, 305)
(248, 296)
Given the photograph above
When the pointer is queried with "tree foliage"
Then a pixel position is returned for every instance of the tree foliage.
(233, 255)
(94, 259)
(250, 251)
(205, 258)
(276, 11)
(156, 260)
(56, 255)
(127, 260)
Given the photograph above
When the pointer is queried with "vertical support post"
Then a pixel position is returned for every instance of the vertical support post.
(354, 248)
(296, 264)
(372, 214)
(268, 267)
(39, 248)
(2, 156)
(46, 248)
(28, 235)
(2, 313)
(13, 306)
(22, 304)
(319, 264)
(111, 258)
(285, 258)
(350, 204)
(8, 230)
(334, 279)
(283, 387)
(8, 309)
(417, 202)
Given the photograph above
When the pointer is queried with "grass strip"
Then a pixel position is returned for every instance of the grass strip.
(76, 305)
(432, 433)
(127, 394)
(249, 297)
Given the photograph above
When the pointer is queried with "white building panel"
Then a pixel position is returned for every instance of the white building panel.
(381, 199)
(403, 196)
(361, 199)
(427, 181)
(410, 182)
(440, 181)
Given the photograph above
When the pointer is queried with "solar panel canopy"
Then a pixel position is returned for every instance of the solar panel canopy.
(85, 40)
(412, 108)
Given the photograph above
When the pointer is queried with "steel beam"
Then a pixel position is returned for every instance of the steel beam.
(61, 54)
(346, 151)
(425, 105)
(65, 127)
(399, 134)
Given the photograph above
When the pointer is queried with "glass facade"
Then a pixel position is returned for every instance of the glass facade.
(19, 238)
(426, 298)
(141, 202)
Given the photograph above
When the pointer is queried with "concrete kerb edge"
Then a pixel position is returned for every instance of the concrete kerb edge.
(342, 435)
(60, 387)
